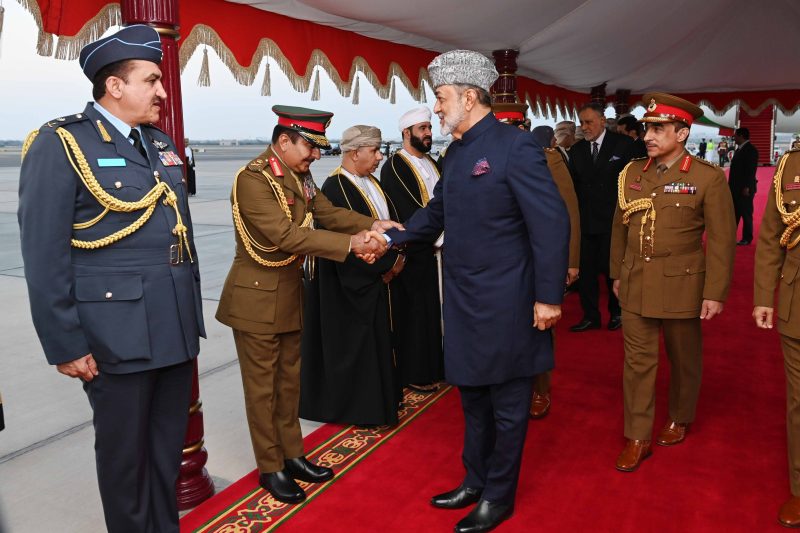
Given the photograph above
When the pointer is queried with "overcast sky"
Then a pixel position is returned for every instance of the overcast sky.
(35, 89)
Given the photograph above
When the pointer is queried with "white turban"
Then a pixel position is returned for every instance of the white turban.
(415, 116)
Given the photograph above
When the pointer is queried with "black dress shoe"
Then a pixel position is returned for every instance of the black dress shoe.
(456, 498)
(584, 325)
(742, 243)
(300, 468)
(614, 323)
(484, 517)
(282, 487)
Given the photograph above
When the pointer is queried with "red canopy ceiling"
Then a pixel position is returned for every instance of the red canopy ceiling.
(242, 35)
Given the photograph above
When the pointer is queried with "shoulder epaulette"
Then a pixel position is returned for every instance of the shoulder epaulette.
(63, 121)
(793, 150)
(705, 162)
(257, 165)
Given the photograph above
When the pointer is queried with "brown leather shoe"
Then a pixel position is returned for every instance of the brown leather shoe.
(634, 453)
(789, 515)
(540, 405)
(672, 434)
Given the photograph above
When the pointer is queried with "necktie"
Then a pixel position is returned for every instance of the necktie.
(594, 152)
(661, 169)
(137, 142)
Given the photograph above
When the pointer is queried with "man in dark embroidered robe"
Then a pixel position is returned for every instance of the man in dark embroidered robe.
(349, 371)
(408, 178)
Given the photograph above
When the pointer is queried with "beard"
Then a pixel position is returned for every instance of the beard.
(451, 121)
(419, 143)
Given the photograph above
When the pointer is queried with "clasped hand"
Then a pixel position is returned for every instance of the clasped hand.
(370, 245)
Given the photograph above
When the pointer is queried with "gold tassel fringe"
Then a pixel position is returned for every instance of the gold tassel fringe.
(315, 87)
(356, 91)
(245, 75)
(392, 92)
(204, 80)
(70, 47)
(266, 86)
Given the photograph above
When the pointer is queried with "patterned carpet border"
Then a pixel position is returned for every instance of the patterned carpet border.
(258, 511)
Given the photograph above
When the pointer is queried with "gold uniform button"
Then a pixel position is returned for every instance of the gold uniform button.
(688, 271)
(653, 194)
(118, 184)
(255, 283)
(109, 294)
(677, 204)
(647, 259)
(647, 238)
(793, 202)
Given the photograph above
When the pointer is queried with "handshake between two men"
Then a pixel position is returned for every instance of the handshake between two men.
(370, 245)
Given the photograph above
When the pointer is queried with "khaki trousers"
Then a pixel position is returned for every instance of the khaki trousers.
(270, 367)
(683, 340)
(791, 361)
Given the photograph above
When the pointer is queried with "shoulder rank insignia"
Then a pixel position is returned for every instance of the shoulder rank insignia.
(705, 162)
(256, 165)
(686, 164)
(63, 121)
(275, 166)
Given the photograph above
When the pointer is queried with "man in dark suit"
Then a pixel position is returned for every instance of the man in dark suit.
(507, 237)
(595, 163)
(112, 274)
(628, 125)
(742, 181)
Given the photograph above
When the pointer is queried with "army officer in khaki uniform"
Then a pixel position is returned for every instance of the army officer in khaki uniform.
(663, 278)
(777, 263)
(275, 203)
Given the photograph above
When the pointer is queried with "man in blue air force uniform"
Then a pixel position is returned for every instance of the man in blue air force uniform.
(507, 245)
(112, 274)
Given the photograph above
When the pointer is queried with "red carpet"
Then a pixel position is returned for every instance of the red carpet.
(730, 475)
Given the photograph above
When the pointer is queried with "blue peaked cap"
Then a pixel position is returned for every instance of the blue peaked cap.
(133, 42)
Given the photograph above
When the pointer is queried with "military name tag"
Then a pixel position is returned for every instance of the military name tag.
(791, 187)
(169, 159)
(635, 186)
(111, 162)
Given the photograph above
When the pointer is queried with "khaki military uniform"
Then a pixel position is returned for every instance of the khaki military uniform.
(665, 275)
(777, 265)
(558, 168)
(262, 300)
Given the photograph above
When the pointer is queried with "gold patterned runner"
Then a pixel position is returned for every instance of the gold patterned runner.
(257, 511)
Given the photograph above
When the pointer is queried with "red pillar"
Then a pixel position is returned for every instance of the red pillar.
(504, 89)
(194, 484)
(621, 105)
(598, 95)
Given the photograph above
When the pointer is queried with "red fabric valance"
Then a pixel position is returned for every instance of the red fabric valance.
(243, 36)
